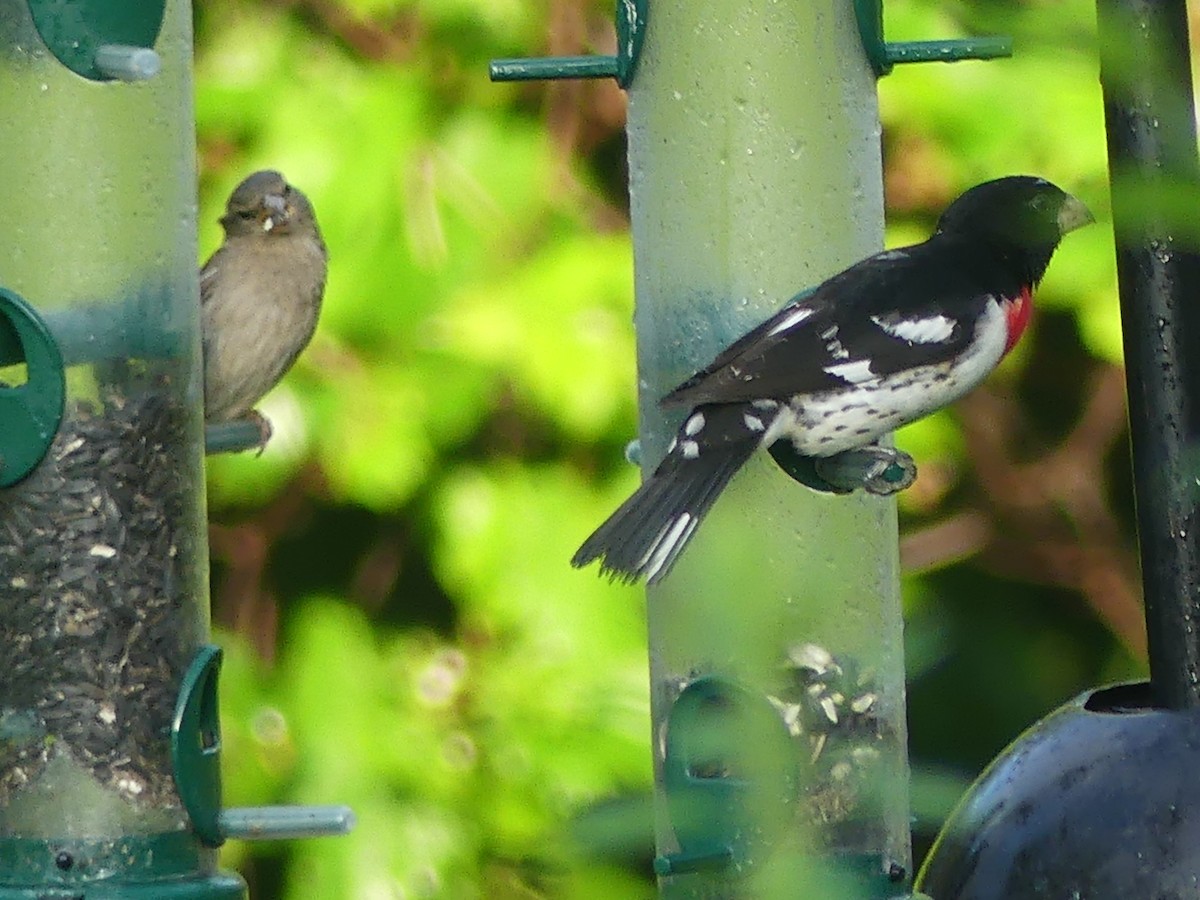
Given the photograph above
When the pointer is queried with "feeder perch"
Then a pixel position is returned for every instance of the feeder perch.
(631, 27)
(883, 55)
(102, 39)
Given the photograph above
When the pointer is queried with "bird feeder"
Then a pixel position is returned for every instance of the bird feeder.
(777, 684)
(1100, 799)
(109, 737)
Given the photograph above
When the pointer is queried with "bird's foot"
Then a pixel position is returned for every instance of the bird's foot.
(254, 417)
(877, 470)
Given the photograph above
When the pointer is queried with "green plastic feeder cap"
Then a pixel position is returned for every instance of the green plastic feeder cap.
(102, 39)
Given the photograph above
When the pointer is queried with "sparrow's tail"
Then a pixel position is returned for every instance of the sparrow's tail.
(648, 531)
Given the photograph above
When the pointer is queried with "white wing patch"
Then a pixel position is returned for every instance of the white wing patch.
(866, 408)
(793, 318)
(856, 372)
(833, 346)
(931, 330)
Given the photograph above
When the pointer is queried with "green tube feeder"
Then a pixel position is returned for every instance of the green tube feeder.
(777, 687)
(777, 675)
(109, 738)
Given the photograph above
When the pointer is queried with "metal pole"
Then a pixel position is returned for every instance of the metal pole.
(1156, 193)
(755, 173)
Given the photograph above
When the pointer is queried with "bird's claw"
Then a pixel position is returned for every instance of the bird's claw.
(877, 470)
(265, 430)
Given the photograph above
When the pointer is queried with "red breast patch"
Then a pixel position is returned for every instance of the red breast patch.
(1018, 311)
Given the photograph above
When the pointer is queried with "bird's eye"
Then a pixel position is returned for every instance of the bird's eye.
(247, 214)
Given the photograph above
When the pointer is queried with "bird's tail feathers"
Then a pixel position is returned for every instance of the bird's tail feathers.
(646, 534)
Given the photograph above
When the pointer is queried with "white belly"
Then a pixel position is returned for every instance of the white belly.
(831, 422)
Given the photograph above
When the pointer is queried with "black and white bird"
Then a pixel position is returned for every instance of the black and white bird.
(883, 343)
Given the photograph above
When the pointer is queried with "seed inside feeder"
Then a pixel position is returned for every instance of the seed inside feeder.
(98, 620)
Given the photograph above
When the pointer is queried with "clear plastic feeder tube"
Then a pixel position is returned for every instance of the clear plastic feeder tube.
(755, 173)
(103, 560)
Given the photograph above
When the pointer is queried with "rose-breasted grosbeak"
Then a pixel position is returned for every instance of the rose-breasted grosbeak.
(881, 344)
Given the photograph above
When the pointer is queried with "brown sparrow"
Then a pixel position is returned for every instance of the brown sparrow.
(260, 294)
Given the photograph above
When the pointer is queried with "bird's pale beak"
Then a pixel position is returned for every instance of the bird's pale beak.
(274, 211)
(1073, 214)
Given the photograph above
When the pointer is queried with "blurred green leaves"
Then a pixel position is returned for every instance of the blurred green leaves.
(476, 324)
(454, 768)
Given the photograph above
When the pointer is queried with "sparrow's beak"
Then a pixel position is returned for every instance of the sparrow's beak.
(274, 211)
(1073, 214)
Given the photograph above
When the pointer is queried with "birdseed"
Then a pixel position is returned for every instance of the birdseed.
(100, 588)
(842, 748)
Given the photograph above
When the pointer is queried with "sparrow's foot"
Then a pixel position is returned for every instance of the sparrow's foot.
(263, 424)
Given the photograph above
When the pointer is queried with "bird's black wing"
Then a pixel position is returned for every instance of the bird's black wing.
(896, 310)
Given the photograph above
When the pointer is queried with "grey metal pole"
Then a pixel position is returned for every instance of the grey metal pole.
(755, 173)
(1156, 191)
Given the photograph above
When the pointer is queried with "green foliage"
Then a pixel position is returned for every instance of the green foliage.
(475, 328)
(408, 638)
